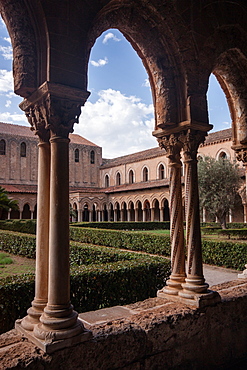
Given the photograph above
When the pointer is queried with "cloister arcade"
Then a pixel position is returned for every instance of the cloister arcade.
(180, 43)
(136, 210)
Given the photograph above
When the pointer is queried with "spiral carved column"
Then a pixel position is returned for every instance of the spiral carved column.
(241, 155)
(194, 287)
(172, 145)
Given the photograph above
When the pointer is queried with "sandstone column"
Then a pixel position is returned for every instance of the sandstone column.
(241, 155)
(161, 214)
(194, 282)
(42, 230)
(152, 213)
(172, 146)
(59, 108)
(136, 214)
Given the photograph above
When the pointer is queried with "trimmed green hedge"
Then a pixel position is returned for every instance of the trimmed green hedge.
(222, 253)
(21, 226)
(100, 277)
(234, 233)
(124, 225)
(149, 243)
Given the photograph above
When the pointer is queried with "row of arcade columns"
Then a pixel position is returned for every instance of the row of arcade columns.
(51, 322)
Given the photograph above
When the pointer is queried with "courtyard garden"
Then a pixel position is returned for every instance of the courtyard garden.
(108, 266)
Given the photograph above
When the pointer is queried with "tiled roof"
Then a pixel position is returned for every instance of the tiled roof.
(138, 186)
(17, 130)
(20, 188)
(135, 157)
(219, 136)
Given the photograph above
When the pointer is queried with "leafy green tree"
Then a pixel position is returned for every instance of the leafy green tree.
(219, 182)
(6, 203)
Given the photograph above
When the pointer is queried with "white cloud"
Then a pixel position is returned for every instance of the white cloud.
(146, 83)
(120, 124)
(110, 36)
(16, 118)
(7, 39)
(6, 81)
(8, 103)
(228, 124)
(6, 52)
(100, 62)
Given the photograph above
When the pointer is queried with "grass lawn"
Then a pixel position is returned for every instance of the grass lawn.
(156, 232)
(19, 265)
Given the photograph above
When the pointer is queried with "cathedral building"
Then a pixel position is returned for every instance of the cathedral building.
(133, 187)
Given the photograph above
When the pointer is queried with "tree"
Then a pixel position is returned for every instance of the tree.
(219, 181)
(6, 203)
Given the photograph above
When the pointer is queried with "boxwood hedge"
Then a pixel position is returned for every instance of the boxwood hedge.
(125, 225)
(100, 277)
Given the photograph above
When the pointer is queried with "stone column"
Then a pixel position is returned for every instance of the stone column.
(162, 214)
(136, 214)
(128, 215)
(152, 213)
(9, 212)
(59, 108)
(42, 231)
(172, 146)
(241, 155)
(194, 282)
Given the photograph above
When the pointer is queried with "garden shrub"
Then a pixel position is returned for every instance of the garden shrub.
(125, 225)
(100, 277)
(222, 253)
(149, 243)
(234, 233)
(21, 226)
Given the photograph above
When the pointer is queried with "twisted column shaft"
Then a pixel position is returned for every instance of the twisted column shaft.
(195, 282)
(172, 145)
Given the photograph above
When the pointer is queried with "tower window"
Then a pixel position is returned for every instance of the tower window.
(92, 157)
(2, 147)
(23, 149)
(76, 155)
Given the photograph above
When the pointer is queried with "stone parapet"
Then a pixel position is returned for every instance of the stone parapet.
(153, 334)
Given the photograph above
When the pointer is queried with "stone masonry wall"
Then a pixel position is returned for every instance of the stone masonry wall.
(154, 334)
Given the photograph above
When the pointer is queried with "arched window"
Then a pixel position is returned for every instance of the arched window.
(118, 179)
(23, 150)
(161, 172)
(2, 147)
(107, 181)
(76, 155)
(131, 177)
(223, 155)
(145, 174)
(92, 157)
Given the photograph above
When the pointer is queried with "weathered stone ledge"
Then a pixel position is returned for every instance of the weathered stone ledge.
(153, 334)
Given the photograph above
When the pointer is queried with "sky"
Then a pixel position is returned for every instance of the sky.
(119, 114)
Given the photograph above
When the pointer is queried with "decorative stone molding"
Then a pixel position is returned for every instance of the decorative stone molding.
(241, 155)
(53, 109)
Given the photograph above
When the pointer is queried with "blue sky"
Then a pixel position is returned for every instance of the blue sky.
(119, 113)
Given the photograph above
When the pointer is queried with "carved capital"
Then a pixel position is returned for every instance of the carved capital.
(53, 109)
(241, 156)
(191, 141)
(172, 146)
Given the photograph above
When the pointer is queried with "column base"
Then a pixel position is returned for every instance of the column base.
(243, 275)
(34, 312)
(198, 300)
(174, 284)
(50, 344)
